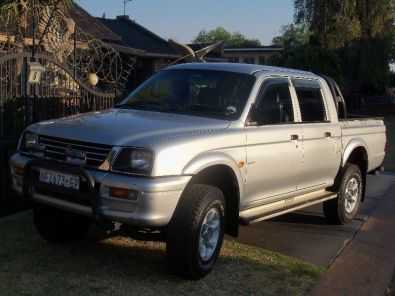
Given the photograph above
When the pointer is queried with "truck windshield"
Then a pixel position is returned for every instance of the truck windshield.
(205, 93)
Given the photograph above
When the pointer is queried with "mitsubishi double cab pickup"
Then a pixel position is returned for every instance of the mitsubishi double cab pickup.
(195, 151)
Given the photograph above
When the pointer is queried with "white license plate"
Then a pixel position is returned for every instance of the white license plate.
(59, 179)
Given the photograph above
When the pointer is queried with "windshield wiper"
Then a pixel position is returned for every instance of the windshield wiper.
(138, 105)
(205, 108)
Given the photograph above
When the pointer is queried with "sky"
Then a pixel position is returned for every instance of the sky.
(182, 20)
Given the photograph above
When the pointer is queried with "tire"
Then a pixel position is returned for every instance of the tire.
(56, 226)
(344, 208)
(199, 208)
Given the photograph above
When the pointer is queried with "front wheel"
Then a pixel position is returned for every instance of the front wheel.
(344, 208)
(196, 232)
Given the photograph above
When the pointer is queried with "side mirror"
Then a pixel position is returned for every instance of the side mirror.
(253, 119)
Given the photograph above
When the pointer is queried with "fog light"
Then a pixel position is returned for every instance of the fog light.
(18, 182)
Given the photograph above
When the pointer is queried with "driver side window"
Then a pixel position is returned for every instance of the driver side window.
(274, 104)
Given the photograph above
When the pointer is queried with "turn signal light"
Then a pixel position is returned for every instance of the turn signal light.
(20, 171)
(123, 193)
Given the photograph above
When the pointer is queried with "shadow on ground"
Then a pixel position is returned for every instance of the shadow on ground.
(309, 218)
(307, 235)
(119, 266)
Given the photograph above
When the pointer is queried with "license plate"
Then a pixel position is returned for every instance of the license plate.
(59, 179)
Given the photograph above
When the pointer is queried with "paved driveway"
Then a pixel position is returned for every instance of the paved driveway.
(306, 234)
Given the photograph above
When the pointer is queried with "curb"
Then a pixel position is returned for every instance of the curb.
(15, 216)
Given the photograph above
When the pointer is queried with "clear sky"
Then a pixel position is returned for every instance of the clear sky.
(183, 19)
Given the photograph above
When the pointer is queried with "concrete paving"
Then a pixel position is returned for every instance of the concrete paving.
(366, 265)
(306, 234)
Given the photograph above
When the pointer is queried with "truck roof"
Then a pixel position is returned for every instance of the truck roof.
(240, 68)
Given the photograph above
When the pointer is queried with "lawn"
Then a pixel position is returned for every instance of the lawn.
(390, 159)
(120, 266)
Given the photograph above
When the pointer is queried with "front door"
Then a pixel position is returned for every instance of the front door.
(273, 144)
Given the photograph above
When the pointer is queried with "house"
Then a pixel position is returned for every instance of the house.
(252, 55)
(151, 51)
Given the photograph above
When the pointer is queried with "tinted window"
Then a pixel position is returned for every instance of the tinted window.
(311, 102)
(274, 106)
(203, 93)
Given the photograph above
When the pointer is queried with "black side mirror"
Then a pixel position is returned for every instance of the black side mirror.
(253, 118)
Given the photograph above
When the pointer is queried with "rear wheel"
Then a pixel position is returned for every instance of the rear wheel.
(344, 208)
(195, 234)
(56, 226)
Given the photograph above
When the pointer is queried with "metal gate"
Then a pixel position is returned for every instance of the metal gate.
(58, 94)
(46, 62)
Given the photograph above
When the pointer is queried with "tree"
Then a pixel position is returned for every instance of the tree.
(292, 36)
(230, 39)
(14, 9)
(359, 32)
(16, 12)
(375, 47)
(333, 23)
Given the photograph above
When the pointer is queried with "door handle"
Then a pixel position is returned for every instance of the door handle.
(328, 135)
(294, 137)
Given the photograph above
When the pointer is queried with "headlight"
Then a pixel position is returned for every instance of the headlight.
(30, 141)
(134, 161)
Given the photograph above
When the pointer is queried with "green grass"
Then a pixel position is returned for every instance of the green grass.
(120, 266)
(389, 163)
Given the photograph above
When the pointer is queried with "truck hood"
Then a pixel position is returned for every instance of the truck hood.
(121, 127)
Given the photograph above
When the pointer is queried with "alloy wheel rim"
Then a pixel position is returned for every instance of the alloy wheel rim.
(209, 234)
(352, 195)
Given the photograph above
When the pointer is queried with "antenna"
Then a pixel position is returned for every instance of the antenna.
(191, 55)
(125, 2)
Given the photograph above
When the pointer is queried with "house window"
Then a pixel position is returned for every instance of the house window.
(262, 60)
(249, 60)
(234, 59)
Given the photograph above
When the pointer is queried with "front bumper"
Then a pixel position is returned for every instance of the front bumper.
(156, 200)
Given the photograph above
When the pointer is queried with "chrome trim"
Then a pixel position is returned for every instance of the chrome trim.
(263, 213)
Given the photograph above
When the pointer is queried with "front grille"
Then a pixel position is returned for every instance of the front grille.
(56, 148)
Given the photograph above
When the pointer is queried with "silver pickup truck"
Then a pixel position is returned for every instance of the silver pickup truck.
(195, 151)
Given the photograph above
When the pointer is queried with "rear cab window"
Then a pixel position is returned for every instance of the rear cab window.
(311, 101)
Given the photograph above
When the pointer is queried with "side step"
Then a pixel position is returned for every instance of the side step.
(271, 210)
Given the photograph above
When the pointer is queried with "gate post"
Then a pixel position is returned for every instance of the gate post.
(25, 93)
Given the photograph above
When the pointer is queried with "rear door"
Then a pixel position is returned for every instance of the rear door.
(273, 144)
(321, 137)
